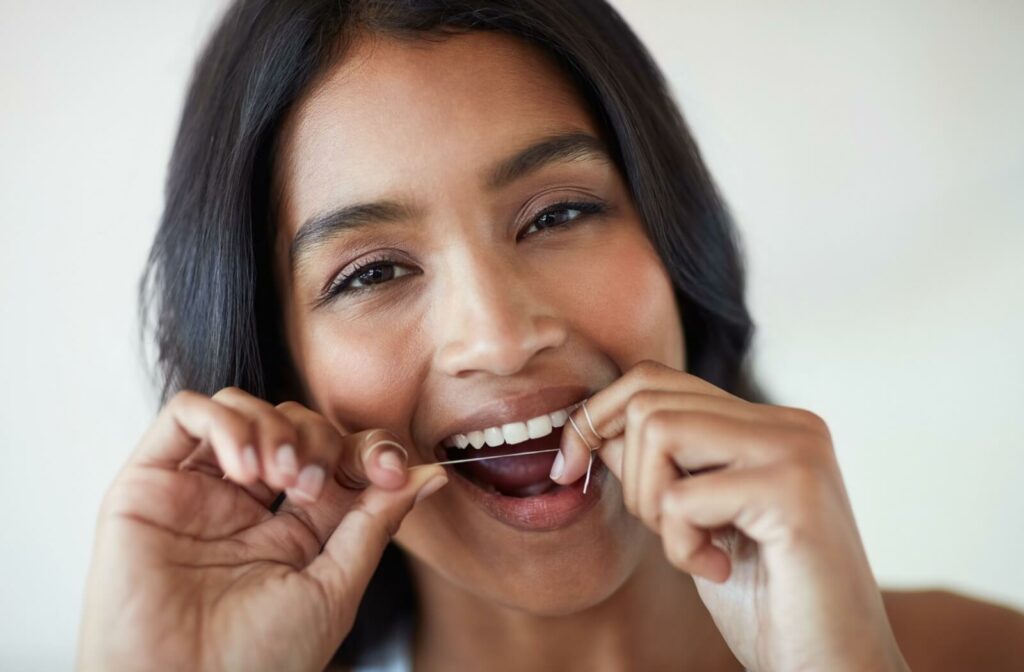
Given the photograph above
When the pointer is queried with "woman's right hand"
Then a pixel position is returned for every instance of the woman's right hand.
(191, 570)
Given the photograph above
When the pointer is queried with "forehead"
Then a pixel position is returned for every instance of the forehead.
(418, 117)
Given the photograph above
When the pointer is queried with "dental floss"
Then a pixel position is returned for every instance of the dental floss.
(590, 464)
(582, 438)
(486, 457)
(586, 481)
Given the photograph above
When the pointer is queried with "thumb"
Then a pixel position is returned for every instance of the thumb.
(352, 552)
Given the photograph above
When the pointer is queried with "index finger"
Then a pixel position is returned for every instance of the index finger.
(607, 413)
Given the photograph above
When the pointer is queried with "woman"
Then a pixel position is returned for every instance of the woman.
(399, 233)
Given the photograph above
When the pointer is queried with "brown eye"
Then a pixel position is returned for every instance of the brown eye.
(561, 215)
(367, 277)
(375, 275)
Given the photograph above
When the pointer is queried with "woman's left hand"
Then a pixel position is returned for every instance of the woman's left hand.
(765, 527)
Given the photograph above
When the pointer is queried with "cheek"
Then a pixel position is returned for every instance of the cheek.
(624, 303)
(359, 374)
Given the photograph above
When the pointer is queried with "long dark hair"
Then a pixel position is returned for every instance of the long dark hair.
(208, 294)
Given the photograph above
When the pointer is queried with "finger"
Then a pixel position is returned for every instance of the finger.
(274, 432)
(204, 460)
(693, 508)
(770, 504)
(320, 450)
(689, 549)
(352, 552)
(607, 409)
(639, 460)
(357, 467)
(373, 457)
(676, 441)
(190, 418)
(656, 471)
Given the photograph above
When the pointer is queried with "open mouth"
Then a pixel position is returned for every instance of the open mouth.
(520, 476)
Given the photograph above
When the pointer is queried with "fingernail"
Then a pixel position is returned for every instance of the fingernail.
(249, 461)
(388, 459)
(286, 462)
(558, 466)
(391, 460)
(311, 480)
(432, 486)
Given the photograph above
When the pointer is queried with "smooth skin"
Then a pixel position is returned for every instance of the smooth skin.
(484, 298)
(794, 591)
(191, 570)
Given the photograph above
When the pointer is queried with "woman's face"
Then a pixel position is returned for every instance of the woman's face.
(478, 299)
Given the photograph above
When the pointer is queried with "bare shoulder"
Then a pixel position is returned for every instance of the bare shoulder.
(941, 630)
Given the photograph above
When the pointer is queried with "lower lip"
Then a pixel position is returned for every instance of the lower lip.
(557, 508)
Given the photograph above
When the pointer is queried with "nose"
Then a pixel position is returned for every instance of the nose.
(492, 318)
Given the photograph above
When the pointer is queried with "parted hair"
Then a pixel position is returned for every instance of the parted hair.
(208, 298)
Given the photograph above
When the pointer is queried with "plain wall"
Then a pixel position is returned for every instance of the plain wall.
(871, 153)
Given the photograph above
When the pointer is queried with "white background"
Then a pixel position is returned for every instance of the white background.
(873, 155)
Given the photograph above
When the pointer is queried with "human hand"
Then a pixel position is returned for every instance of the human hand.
(192, 570)
(763, 523)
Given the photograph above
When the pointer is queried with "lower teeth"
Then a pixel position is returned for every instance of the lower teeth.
(531, 490)
(534, 489)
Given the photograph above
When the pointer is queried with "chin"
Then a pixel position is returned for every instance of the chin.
(561, 585)
(545, 571)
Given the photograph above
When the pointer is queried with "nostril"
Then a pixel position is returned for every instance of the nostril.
(500, 346)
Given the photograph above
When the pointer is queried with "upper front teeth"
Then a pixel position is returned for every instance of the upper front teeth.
(511, 433)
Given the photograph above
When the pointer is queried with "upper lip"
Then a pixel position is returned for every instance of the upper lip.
(518, 408)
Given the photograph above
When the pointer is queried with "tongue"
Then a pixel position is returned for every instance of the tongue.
(520, 476)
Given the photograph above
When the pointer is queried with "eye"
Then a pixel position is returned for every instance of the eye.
(365, 277)
(375, 274)
(561, 215)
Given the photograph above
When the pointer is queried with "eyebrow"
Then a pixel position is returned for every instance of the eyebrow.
(564, 146)
(568, 146)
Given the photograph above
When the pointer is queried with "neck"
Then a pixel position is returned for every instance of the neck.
(655, 620)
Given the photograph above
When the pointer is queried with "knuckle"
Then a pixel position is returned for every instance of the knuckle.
(640, 405)
(232, 416)
(326, 443)
(661, 426)
(182, 398)
(230, 392)
(648, 367)
(803, 484)
(809, 420)
(291, 407)
(277, 426)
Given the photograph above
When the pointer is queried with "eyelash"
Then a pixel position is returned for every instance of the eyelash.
(341, 284)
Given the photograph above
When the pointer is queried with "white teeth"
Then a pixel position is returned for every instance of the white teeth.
(514, 432)
(538, 427)
(493, 436)
(511, 433)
